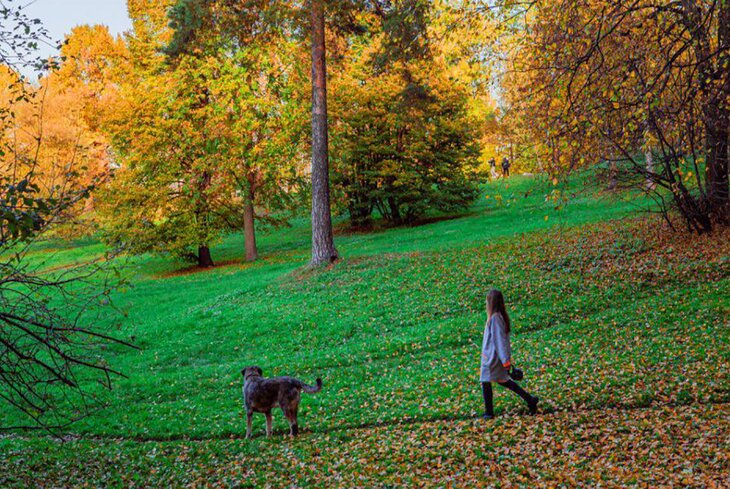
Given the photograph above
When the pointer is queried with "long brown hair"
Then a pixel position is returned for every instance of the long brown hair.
(495, 303)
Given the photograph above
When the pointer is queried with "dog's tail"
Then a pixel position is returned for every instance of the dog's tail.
(311, 389)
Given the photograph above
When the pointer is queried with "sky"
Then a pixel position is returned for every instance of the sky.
(60, 16)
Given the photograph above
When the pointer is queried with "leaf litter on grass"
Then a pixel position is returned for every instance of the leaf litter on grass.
(624, 338)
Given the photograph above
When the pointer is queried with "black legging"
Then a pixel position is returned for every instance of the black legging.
(511, 385)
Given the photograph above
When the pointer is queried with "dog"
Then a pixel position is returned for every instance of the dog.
(261, 395)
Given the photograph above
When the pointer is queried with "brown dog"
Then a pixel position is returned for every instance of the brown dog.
(262, 395)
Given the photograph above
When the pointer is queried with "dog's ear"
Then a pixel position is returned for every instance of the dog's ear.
(258, 369)
(243, 372)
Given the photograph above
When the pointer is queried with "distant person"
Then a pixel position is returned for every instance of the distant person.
(497, 357)
(493, 167)
(505, 167)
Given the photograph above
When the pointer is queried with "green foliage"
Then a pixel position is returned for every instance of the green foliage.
(170, 194)
(187, 17)
(205, 136)
(260, 108)
(22, 211)
(405, 25)
(404, 141)
(20, 37)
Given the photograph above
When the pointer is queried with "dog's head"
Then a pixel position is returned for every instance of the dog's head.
(249, 372)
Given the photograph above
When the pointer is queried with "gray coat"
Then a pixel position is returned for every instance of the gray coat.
(496, 350)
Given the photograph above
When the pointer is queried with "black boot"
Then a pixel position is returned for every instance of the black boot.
(488, 404)
(530, 400)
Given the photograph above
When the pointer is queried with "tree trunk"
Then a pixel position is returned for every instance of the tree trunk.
(204, 258)
(323, 246)
(710, 71)
(360, 210)
(649, 156)
(717, 165)
(718, 125)
(612, 175)
(395, 211)
(249, 230)
(201, 215)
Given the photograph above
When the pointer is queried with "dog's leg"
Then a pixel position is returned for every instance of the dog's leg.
(291, 415)
(294, 427)
(268, 423)
(294, 422)
(249, 415)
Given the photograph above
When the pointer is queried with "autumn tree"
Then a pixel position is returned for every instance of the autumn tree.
(66, 109)
(63, 109)
(323, 244)
(258, 105)
(158, 199)
(93, 65)
(169, 195)
(50, 327)
(257, 97)
(617, 81)
(260, 19)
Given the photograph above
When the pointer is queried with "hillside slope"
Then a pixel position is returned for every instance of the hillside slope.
(622, 330)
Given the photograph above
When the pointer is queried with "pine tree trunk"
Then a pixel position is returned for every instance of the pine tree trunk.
(323, 246)
(204, 258)
(249, 230)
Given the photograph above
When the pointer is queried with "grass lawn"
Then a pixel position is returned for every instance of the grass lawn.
(622, 330)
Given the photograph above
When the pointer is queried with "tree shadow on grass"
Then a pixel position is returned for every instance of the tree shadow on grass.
(346, 228)
(193, 269)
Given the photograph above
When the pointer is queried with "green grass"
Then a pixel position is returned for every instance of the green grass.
(608, 317)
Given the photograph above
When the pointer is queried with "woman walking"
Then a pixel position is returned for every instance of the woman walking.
(497, 356)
